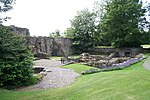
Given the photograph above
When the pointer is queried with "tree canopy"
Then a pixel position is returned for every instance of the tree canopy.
(124, 22)
(83, 29)
(5, 5)
(15, 57)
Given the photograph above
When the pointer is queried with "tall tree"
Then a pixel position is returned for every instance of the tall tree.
(55, 34)
(15, 58)
(123, 22)
(83, 29)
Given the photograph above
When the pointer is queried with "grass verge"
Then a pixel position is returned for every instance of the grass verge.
(78, 67)
(132, 83)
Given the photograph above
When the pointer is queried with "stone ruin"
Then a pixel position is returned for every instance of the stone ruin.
(108, 61)
(20, 31)
(43, 47)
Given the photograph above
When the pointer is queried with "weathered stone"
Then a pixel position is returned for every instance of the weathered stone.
(41, 55)
(19, 30)
(119, 52)
(85, 57)
(45, 45)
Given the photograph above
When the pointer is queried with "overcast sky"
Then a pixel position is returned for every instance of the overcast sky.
(44, 16)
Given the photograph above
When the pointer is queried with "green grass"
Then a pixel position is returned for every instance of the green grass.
(78, 67)
(145, 46)
(104, 47)
(55, 57)
(132, 83)
(74, 56)
(59, 57)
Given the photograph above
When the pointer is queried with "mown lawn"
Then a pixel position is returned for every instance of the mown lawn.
(59, 57)
(132, 83)
(78, 67)
(146, 46)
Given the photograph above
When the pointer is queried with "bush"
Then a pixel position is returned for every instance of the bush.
(15, 60)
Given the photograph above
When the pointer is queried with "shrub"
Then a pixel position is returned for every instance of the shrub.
(15, 60)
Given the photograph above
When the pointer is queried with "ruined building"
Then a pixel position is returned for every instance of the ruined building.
(50, 46)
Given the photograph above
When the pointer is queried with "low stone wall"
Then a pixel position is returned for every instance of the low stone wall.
(102, 50)
(122, 52)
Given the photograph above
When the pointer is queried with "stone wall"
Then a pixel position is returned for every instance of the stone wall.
(50, 46)
(122, 52)
(20, 31)
(62, 46)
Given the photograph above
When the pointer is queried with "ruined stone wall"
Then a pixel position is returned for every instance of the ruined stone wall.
(20, 31)
(122, 52)
(48, 45)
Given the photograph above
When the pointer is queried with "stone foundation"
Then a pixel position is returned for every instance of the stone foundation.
(120, 52)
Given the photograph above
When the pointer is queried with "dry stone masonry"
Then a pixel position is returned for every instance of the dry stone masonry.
(20, 31)
(45, 45)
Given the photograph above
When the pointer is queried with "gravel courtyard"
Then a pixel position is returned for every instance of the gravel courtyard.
(58, 77)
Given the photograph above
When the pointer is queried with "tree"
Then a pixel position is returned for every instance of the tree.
(15, 59)
(123, 22)
(83, 30)
(5, 5)
(55, 34)
(69, 32)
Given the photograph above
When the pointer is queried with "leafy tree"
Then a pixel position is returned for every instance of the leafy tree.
(83, 30)
(55, 34)
(123, 22)
(5, 5)
(70, 32)
(15, 59)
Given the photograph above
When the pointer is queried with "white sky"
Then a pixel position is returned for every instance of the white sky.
(44, 16)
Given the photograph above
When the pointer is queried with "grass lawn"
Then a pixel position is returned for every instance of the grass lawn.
(55, 57)
(132, 83)
(104, 47)
(78, 67)
(145, 46)
(59, 57)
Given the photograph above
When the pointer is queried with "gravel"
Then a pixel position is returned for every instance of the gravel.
(58, 77)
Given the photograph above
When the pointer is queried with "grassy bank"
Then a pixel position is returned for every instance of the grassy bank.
(78, 67)
(132, 83)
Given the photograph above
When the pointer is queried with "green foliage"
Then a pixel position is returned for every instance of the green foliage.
(146, 37)
(55, 34)
(15, 59)
(130, 83)
(5, 5)
(84, 30)
(123, 23)
(70, 33)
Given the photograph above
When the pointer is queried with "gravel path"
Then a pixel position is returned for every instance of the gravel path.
(146, 64)
(59, 77)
